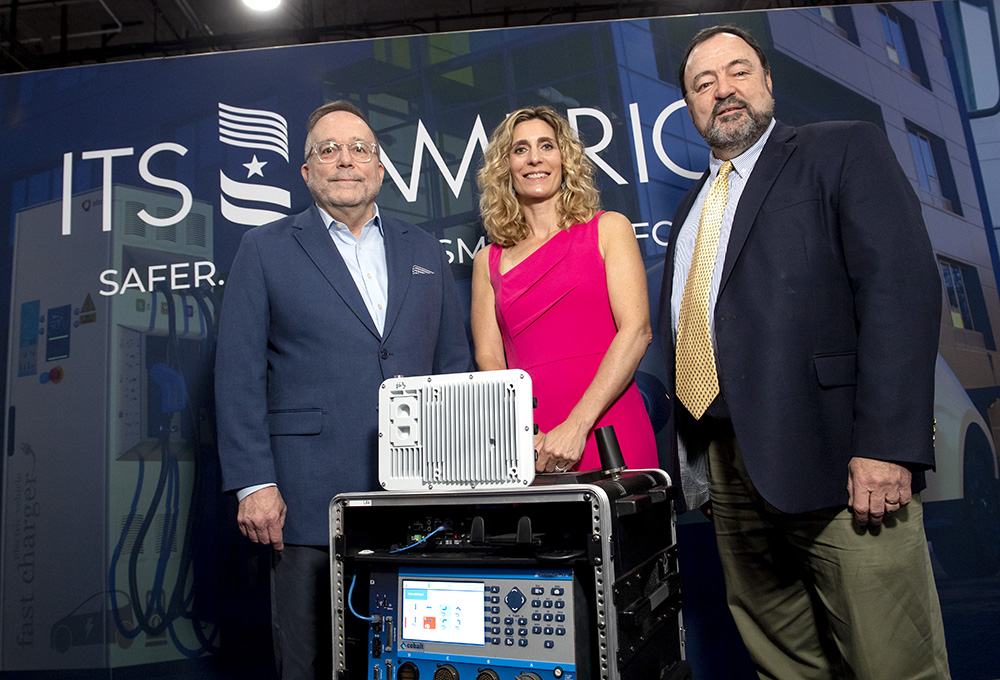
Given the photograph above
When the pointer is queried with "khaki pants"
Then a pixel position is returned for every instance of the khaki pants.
(816, 596)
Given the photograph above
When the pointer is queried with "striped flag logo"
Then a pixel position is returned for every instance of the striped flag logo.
(253, 129)
(246, 202)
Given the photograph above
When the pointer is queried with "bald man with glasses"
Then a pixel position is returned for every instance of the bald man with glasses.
(319, 309)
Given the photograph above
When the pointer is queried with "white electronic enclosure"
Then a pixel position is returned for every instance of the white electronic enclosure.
(456, 431)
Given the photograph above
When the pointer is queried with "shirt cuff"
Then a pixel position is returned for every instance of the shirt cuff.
(246, 491)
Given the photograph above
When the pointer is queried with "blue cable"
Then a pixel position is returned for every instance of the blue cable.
(113, 571)
(413, 545)
(350, 592)
(350, 605)
(152, 312)
(172, 500)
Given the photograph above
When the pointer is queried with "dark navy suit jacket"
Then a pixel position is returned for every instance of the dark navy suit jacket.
(827, 317)
(299, 360)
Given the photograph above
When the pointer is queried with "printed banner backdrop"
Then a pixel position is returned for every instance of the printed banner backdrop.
(127, 187)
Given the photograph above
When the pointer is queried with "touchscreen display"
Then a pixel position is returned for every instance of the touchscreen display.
(443, 611)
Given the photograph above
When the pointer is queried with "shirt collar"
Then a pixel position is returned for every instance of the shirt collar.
(744, 163)
(331, 223)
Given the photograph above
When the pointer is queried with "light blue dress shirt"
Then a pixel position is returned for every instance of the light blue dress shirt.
(743, 165)
(365, 259)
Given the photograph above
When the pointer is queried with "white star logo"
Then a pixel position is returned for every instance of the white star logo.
(254, 167)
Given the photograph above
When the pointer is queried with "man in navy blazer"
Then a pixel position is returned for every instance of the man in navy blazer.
(823, 317)
(319, 309)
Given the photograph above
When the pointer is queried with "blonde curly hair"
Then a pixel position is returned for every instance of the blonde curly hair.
(502, 214)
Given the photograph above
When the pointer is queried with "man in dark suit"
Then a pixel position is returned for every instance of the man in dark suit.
(319, 309)
(799, 317)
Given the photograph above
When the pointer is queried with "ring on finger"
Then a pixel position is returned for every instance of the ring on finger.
(557, 468)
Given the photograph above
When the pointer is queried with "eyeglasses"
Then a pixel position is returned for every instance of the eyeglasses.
(329, 151)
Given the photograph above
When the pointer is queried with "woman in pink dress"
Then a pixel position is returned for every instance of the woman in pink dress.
(561, 293)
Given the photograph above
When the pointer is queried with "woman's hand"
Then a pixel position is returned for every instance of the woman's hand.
(560, 448)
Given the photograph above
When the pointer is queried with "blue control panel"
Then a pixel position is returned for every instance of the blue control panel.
(461, 623)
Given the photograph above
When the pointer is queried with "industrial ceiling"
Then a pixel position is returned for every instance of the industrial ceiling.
(43, 34)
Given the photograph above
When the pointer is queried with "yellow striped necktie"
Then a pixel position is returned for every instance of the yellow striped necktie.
(697, 379)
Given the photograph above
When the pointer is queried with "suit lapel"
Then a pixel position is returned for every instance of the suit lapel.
(399, 263)
(777, 149)
(314, 238)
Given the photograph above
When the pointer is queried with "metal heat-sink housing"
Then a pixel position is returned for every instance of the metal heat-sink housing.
(456, 431)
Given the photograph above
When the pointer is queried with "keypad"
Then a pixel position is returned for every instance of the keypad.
(515, 599)
(538, 622)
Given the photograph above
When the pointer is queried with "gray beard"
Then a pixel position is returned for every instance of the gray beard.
(740, 138)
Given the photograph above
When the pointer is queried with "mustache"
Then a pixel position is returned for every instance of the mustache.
(729, 101)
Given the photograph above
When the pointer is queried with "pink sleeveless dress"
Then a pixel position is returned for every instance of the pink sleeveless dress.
(555, 318)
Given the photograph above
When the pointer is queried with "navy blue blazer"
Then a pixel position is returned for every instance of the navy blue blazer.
(827, 317)
(299, 360)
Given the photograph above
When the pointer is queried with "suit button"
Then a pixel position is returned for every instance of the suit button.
(384, 354)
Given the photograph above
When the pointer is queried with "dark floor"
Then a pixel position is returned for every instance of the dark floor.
(971, 611)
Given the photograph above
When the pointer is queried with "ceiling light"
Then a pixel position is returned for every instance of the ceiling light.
(262, 5)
